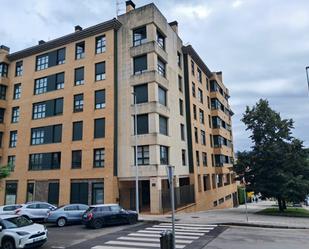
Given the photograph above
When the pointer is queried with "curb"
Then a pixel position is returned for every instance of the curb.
(259, 225)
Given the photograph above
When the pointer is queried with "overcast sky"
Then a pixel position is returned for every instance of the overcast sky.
(262, 46)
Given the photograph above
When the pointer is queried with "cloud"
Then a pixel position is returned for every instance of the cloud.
(237, 3)
(189, 11)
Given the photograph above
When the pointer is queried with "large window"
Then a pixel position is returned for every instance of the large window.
(79, 102)
(203, 138)
(60, 56)
(142, 155)
(202, 120)
(182, 132)
(193, 90)
(47, 108)
(10, 193)
(196, 134)
(163, 125)
(160, 39)
(100, 43)
(13, 139)
(98, 158)
(37, 136)
(80, 50)
(200, 95)
(161, 67)
(76, 159)
(50, 59)
(179, 59)
(59, 81)
(42, 62)
(194, 112)
(19, 68)
(3, 92)
(46, 134)
(3, 70)
(181, 107)
(183, 157)
(192, 67)
(49, 83)
(142, 124)
(17, 91)
(40, 86)
(180, 85)
(2, 111)
(99, 128)
(100, 71)
(164, 155)
(139, 36)
(45, 161)
(79, 192)
(79, 76)
(199, 75)
(197, 157)
(141, 93)
(204, 157)
(77, 131)
(162, 96)
(15, 114)
(140, 64)
(11, 162)
(39, 110)
(99, 99)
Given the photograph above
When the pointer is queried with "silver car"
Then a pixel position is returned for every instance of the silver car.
(35, 210)
(67, 214)
(9, 209)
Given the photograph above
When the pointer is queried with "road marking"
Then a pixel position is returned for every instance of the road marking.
(158, 235)
(184, 227)
(192, 225)
(126, 243)
(154, 240)
(113, 247)
(177, 230)
(182, 233)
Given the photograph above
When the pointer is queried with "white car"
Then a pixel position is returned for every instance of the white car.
(9, 209)
(20, 232)
(35, 210)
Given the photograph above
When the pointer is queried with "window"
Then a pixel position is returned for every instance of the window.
(142, 155)
(194, 112)
(3, 92)
(179, 59)
(79, 76)
(11, 162)
(181, 107)
(80, 50)
(45, 161)
(78, 102)
(60, 56)
(42, 62)
(77, 131)
(199, 75)
(200, 96)
(140, 64)
(99, 128)
(193, 90)
(37, 136)
(163, 128)
(141, 93)
(98, 158)
(206, 182)
(183, 157)
(163, 155)
(204, 157)
(19, 68)
(100, 42)
(197, 157)
(100, 71)
(39, 110)
(2, 111)
(46, 134)
(17, 91)
(15, 114)
(13, 139)
(10, 193)
(79, 192)
(40, 86)
(76, 159)
(196, 134)
(142, 124)
(207, 84)
(203, 138)
(59, 81)
(192, 67)
(162, 96)
(160, 39)
(182, 132)
(161, 67)
(180, 87)
(139, 36)
(3, 69)
(202, 120)
(99, 99)
(97, 195)
(1, 135)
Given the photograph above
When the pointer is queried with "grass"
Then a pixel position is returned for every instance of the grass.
(289, 212)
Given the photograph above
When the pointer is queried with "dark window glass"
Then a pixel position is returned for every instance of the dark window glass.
(15, 114)
(100, 42)
(192, 67)
(78, 102)
(76, 159)
(19, 68)
(164, 155)
(3, 70)
(141, 93)
(53, 193)
(42, 62)
(99, 128)
(161, 67)
(100, 71)
(58, 106)
(193, 89)
(200, 95)
(3, 92)
(140, 64)
(2, 111)
(59, 81)
(17, 91)
(179, 59)
(139, 36)
(99, 99)
(181, 107)
(163, 125)
(13, 139)
(10, 193)
(183, 157)
(196, 134)
(98, 158)
(37, 135)
(97, 196)
(80, 50)
(142, 124)
(180, 87)
(160, 39)
(79, 192)
(199, 75)
(142, 155)
(162, 96)
(57, 133)
(194, 112)
(182, 131)
(202, 120)
(11, 162)
(203, 138)
(79, 76)
(39, 110)
(45, 161)
(77, 131)
(197, 157)
(1, 136)
(61, 56)
(40, 86)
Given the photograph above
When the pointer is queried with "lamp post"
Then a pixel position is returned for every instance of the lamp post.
(170, 176)
(136, 163)
(307, 68)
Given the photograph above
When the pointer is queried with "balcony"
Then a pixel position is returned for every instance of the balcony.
(148, 47)
(149, 76)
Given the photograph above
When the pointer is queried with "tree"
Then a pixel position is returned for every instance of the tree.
(278, 162)
(5, 171)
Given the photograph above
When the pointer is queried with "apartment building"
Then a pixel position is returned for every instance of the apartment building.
(68, 109)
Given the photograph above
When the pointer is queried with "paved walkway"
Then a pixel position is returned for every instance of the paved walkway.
(235, 215)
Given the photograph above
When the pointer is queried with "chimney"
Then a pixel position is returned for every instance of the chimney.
(174, 26)
(5, 48)
(129, 6)
(41, 42)
(78, 28)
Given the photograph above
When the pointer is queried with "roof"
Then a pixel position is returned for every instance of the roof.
(190, 50)
(77, 35)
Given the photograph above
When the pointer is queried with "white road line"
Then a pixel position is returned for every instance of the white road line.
(113, 247)
(186, 228)
(194, 225)
(126, 243)
(180, 241)
(158, 236)
(177, 229)
(182, 233)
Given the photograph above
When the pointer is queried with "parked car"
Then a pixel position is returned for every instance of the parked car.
(98, 216)
(35, 210)
(67, 214)
(9, 209)
(20, 232)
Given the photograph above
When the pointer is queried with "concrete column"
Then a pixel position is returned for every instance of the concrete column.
(155, 195)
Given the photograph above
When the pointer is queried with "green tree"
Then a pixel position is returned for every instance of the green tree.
(5, 171)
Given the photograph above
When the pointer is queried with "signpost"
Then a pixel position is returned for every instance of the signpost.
(170, 177)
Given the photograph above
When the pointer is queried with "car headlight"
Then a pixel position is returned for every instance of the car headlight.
(22, 233)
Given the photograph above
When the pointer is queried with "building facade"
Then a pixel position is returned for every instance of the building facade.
(68, 112)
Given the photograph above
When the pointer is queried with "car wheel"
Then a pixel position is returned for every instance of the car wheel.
(8, 244)
(132, 220)
(61, 222)
(97, 224)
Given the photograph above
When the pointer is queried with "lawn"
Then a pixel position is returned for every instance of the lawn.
(289, 212)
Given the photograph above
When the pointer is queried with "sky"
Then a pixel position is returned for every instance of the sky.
(261, 46)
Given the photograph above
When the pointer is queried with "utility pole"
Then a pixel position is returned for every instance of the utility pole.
(307, 68)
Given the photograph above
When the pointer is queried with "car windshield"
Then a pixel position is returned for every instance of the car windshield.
(90, 209)
(16, 222)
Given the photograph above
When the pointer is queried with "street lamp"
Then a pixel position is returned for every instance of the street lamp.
(170, 176)
(307, 68)
(136, 163)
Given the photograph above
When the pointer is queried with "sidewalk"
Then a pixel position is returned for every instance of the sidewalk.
(235, 216)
